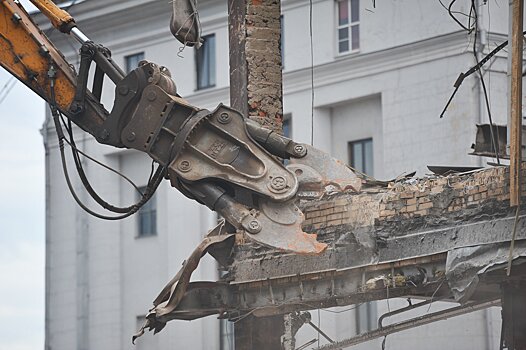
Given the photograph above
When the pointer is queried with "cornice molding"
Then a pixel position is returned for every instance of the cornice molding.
(366, 64)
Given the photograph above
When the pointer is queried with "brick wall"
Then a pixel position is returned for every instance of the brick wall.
(255, 60)
(413, 204)
(263, 53)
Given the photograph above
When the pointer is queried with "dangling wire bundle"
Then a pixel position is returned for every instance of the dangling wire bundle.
(153, 182)
(476, 68)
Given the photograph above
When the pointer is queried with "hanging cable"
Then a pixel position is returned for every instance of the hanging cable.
(153, 184)
(477, 68)
(85, 181)
(456, 12)
(494, 140)
(469, 29)
(77, 150)
(472, 70)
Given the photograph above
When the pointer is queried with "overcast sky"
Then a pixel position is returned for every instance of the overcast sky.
(22, 217)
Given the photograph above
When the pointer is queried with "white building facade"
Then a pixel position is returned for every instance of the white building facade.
(383, 71)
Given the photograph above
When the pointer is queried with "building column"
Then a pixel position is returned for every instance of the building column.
(256, 91)
(255, 60)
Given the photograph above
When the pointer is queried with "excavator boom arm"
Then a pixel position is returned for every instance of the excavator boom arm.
(27, 53)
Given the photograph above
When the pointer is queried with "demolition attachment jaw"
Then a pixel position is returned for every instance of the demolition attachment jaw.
(225, 161)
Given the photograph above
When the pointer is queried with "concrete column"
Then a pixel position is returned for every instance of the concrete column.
(256, 91)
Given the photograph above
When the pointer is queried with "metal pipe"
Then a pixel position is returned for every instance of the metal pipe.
(404, 309)
(321, 332)
(304, 346)
(79, 35)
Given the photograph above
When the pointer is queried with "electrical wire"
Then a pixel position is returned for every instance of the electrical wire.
(472, 70)
(495, 141)
(477, 68)
(456, 12)
(76, 149)
(469, 29)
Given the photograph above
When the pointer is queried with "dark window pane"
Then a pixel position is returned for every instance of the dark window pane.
(357, 156)
(355, 10)
(343, 12)
(132, 61)
(206, 63)
(355, 33)
(153, 221)
(361, 156)
(212, 60)
(343, 33)
(286, 127)
(368, 157)
(147, 218)
(343, 46)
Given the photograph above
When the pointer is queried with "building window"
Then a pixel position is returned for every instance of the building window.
(132, 61)
(366, 314)
(348, 30)
(361, 156)
(287, 126)
(205, 61)
(147, 217)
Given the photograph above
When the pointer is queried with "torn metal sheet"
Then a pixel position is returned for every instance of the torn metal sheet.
(465, 265)
(172, 294)
(450, 169)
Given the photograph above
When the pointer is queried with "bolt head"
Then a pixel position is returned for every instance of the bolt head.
(300, 150)
(278, 183)
(254, 226)
(224, 118)
(131, 137)
(185, 166)
(151, 96)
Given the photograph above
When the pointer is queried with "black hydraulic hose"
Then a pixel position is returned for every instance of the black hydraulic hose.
(153, 184)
